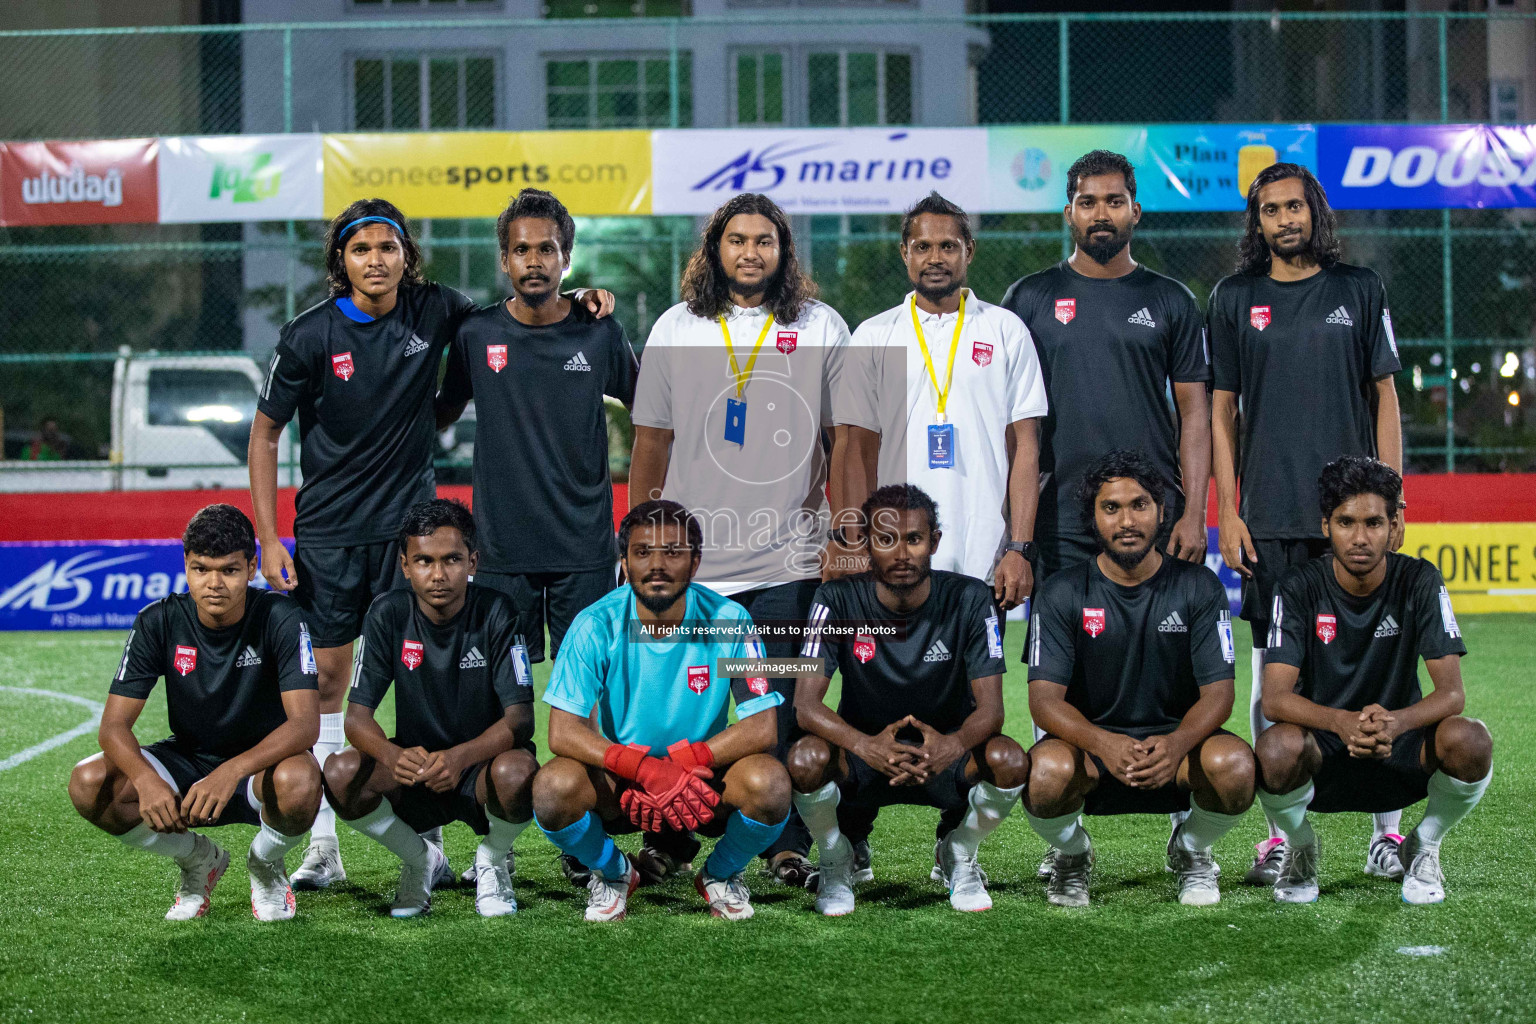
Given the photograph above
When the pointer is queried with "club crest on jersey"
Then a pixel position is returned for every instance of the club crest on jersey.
(411, 653)
(496, 357)
(1066, 309)
(698, 678)
(1093, 621)
(788, 340)
(981, 354)
(758, 685)
(341, 365)
(864, 648)
(1259, 317)
(186, 659)
(1327, 627)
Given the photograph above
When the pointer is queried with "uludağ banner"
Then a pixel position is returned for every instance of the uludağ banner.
(43, 184)
(218, 178)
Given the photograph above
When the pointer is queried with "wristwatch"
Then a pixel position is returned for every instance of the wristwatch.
(1024, 547)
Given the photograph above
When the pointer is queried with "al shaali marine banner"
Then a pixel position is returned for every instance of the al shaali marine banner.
(215, 178)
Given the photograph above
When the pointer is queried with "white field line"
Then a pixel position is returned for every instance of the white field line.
(22, 757)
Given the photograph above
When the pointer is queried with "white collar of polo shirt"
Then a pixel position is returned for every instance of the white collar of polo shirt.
(751, 313)
(928, 319)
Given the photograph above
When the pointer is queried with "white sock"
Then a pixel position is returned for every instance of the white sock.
(1202, 828)
(1065, 833)
(989, 806)
(1257, 723)
(493, 848)
(1289, 811)
(271, 845)
(819, 812)
(395, 835)
(433, 836)
(166, 844)
(333, 736)
(1450, 800)
(1176, 818)
(1386, 821)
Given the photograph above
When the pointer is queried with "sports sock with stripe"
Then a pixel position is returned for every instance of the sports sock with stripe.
(744, 839)
(166, 844)
(393, 834)
(587, 841)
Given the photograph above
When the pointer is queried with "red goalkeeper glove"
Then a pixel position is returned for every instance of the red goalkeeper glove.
(691, 755)
(671, 794)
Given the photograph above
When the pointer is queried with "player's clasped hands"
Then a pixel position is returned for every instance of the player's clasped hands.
(1374, 730)
(1158, 763)
(895, 758)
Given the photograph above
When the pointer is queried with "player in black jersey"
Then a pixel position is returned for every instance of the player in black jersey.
(462, 749)
(1114, 339)
(360, 371)
(1130, 674)
(1303, 344)
(1353, 731)
(240, 688)
(921, 713)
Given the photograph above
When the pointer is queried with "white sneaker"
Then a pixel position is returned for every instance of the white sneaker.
(413, 896)
(609, 901)
(1047, 863)
(1384, 859)
(728, 898)
(1298, 873)
(967, 882)
(1071, 875)
(200, 872)
(1423, 880)
(321, 867)
(271, 894)
(834, 889)
(470, 876)
(493, 889)
(1197, 874)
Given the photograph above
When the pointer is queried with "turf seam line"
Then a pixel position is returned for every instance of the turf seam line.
(22, 757)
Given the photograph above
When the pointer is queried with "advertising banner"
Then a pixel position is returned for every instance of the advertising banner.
(1488, 567)
(819, 170)
(1428, 166)
(213, 178)
(43, 184)
(473, 174)
(1179, 167)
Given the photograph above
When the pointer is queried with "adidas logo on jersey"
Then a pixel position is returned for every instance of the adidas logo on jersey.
(1340, 316)
(1173, 624)
(578, 362)
(474, 659)
(416, 344)
(938, 652)
(1142, 316)
(1388, 627)
(248, 658)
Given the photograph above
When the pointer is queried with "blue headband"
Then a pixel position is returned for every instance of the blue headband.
(371, 220)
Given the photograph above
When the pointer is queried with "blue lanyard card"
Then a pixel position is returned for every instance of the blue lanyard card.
(735, 421)
(941, 446)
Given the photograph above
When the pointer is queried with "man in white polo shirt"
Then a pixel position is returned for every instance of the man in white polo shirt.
(953, 385)
(734, 401)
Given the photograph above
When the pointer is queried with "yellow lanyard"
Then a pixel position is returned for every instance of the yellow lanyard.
(745, 377)
(954, 344)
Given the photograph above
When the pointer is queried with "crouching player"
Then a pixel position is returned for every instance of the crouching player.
(921, 711)
(462, 749)
(1352, 730)
(1130, 675)
(240, 686)
(659, 753)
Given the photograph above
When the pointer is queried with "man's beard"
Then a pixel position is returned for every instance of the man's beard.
(538, 299)
(924, 570)
(767, 285)
(1302, 245)
(1126, 560)
(937, 295)
(657, 604)
(1101, 252)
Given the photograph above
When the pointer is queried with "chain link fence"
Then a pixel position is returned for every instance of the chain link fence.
(73, 299)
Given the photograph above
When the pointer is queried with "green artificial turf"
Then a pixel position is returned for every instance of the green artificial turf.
(82, 939)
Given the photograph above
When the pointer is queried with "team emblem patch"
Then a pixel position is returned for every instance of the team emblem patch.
(698, 678)
(864, 648)
(1327, 627)
(186, 659)
(981, 354)
(496, 357)
(1066, 309)
(411, 653)
(1259, 317)
(788, 340)
(758, 685)
(1093, 621)
(341, 365)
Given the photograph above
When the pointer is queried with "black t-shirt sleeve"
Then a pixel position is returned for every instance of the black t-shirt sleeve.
(1189, 357)
(1434, 619)
(1052, 645)
(816, 644)
(1221, 331)
(1380, 344)
(373, 670)
(1288, 621)
(502, 633)
(143, 661)
(458, 305)
(1211, 653)
(290, 644)
(290, 377)
(983, 642)
(457, 388)
(623, 368)
(1016, 299)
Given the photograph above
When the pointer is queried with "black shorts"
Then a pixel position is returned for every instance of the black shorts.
(548, 598)
(1276, 555)
(866, 790)
(1345, 783)
(336, 586)
(1062, 551)
(187, 767)
(1111, 796)
(422, 809)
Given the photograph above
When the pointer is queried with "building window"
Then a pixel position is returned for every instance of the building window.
(1504, 101)
(409, 92)
(760, 87)
(406, 5)
(859, 87)
(622, 92)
